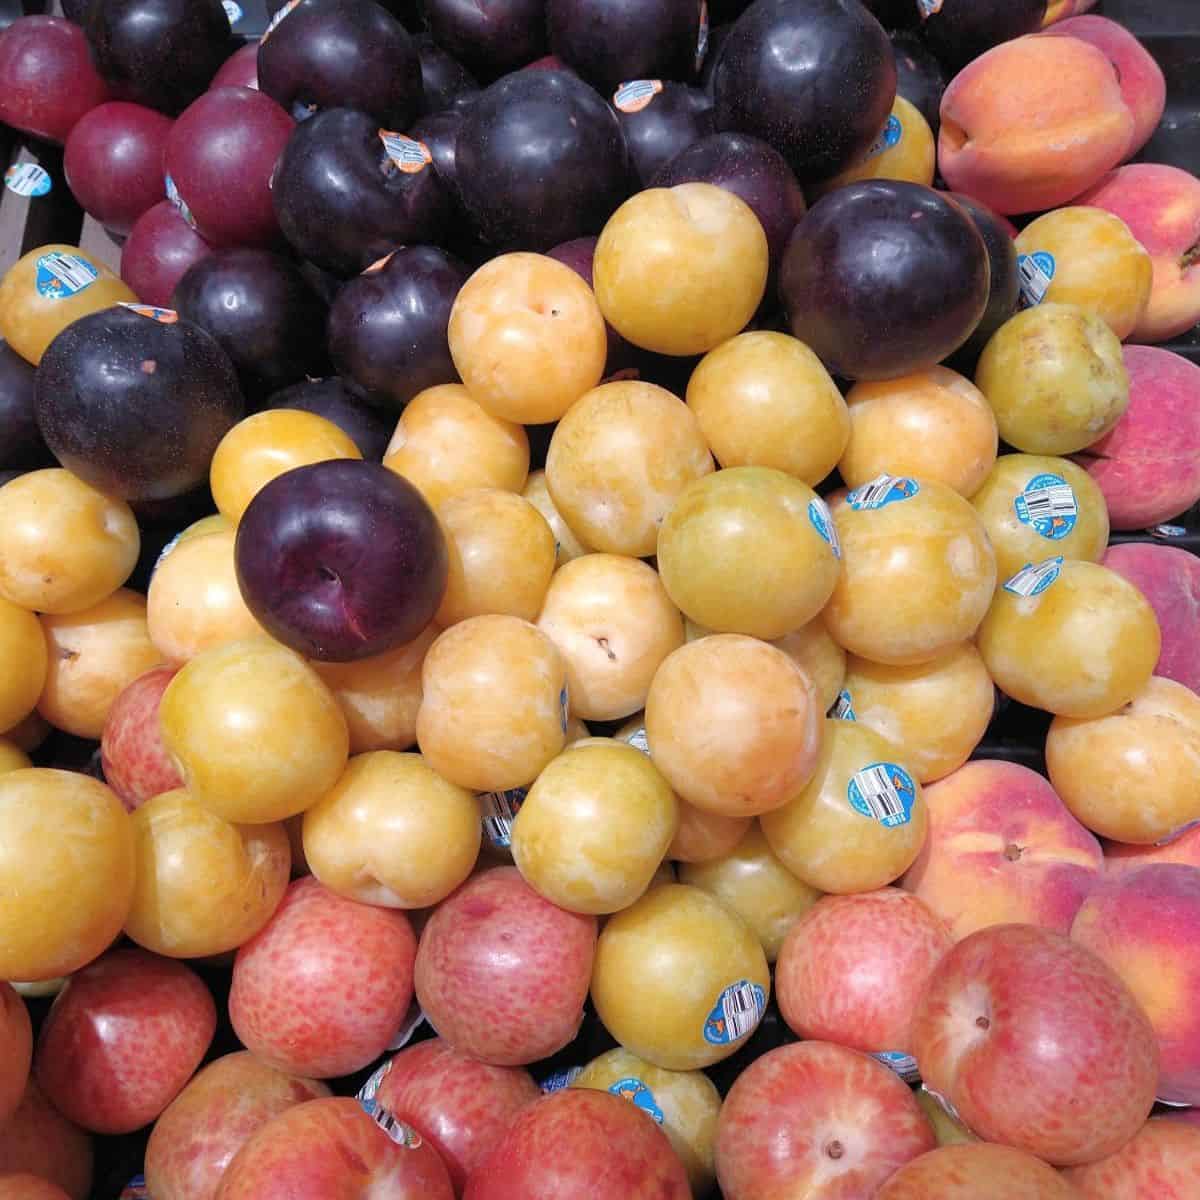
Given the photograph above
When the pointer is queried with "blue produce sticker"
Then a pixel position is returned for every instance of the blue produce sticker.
(178, 201)
(560, 1079)
(27, 179)
(926, 8)
(637, 94)
(498, 811)
(822, 521)
(903, 1064)
(883, 791)
(885, 490)
(639, 1095)
(1033, 579)
(893, 131)
(1168, 531)
(737, 1012)
(62, 275)
(136, 1189)
(407, 153)
(1048, 506)
(843, 707)
(1036, 272)
(563, 706)
(232, 10)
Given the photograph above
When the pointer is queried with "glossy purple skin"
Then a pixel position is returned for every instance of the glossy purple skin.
(963, 29)
(579, 254)
(21, 444)
(407, 11)
(814, 80)
(1004, 289)
(262, 312)
(541, 159)
(341, 201)
(489, 37)
(161, 53)
(332, 399)
(675, 119)
(240, 69)
(341, 560)
(387, 328)
(221, 154)
(752, 171)
(343, 54)
(718, 35)
(881, 278)
(920, 78)
(160, 248)
(136, 407)
(439, 132)
(445, 79)
(610, 41)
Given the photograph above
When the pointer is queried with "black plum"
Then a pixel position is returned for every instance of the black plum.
(439, 133)
(1005, 287)
(961, 30)
(540, 160)
(815, 80)
(610, 41)
(490, 37)
(407, 11)
(135, 405)
(343, 54)
(444, 78)
(895, 14)
(919, 77)
(343, 200)
(261, 311)
(387, 328)
(717, 37)
(341, 560)
(21, 444)
(659, 120)
(76, 10)
(882, 278)
(161, 53)
(332, 399)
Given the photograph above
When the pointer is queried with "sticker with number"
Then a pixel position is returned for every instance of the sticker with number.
(903, 1064)
(1036, 272)
(1034, 578)
(560, 1079)
(273, 24)
(737, 1012)
(59, 275)
(164, 316)
(407, 153)
(883, 791)
(822, 522)
(499, 810)
(233, 11)
(843, 707)
(893, 131)
(885, 490)
(639, 1095)
(27, 179)
(637, 94)
(1048, 506)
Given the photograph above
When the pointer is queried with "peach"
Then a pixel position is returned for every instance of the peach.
(1148, 466)
(38, 1140)
(1131, 776)
(1031, 123)
(1145, 924)
(976, 1172)
(1059, 10)
(1161, 1160)
(1184, 849)
(1161, 206)
(1002, 847)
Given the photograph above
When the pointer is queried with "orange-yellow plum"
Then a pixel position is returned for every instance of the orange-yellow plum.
(23, 663)
(566, 545)
(813, 650)
(905, 150)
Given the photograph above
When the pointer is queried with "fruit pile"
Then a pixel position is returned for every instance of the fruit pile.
(512, 593)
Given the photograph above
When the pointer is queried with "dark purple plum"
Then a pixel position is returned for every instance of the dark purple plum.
(343, 54)
(815, 80)
(881, 278)
(1005, 287)
(76, 10)
(489, 37)
(439, 133)
(444, 78)
(387, 328)
(332, 399)
(21, 443)
(262, 312)
(540, 160)
(961, 30)
(610, 41)
(161, 53)
(325, 284)
(406, 11)
(341, 560)
(894, 14)
(660, 119)
(135, 405)
(344, 201)
(919, 77)
(579, 254)
(718, 35)
(751, 170)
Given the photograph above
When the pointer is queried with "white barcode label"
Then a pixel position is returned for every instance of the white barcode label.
(407, 153)
(702, 40)
(370, 1089)
(903, 1064)
(928, 7)
(61, 275)
(1036, 272)
(560, 1079)
(822, 522)
(27, 179)
(884, 490)
(639, 741)
(843, 707)
(232, 10)
(1047, 504)
(737, 1012)
(499, 810)
(273, 23)
(1034, 578)
(883, 791)
(400, 1133)
(635, 95)
(890, 136)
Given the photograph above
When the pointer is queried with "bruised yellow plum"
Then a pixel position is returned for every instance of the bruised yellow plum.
(733, 725)
(566, 545)
(678, 979)
(1070, 637)
(859, 823)
(618, 461)
(749, 550)
(595, 827)
(917, 574)
(764, 399)
(813, 650)
(23, 663)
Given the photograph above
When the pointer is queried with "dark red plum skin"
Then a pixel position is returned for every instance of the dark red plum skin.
(136, 407)
(675, 119)
(262, 312)
(443, 77)
(21, 444)
(881, 278)
(489, 37)
(343, 203)
(343, 54)
(161, 53)
(387, 327)
(920, 78)
(610, 41)
(540, 160)
(341, 560)
(332, 399)
(964, 29)
(815, 80)
(159, 250)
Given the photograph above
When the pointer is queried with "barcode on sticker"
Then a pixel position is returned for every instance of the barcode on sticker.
(274, 21)
(635, 95)
(370, 1089)
(1048, 505)
(883, 791)
(1036, 270)
(843, 707)
(928, 7)
(27, 179)
(886, 489)
(737, 1012)
(499, 811)
(1034, 578)
(639, 741)
(903, 1065)
(60, 275)
(407, 153)
(822, 522)
(397, 1130)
